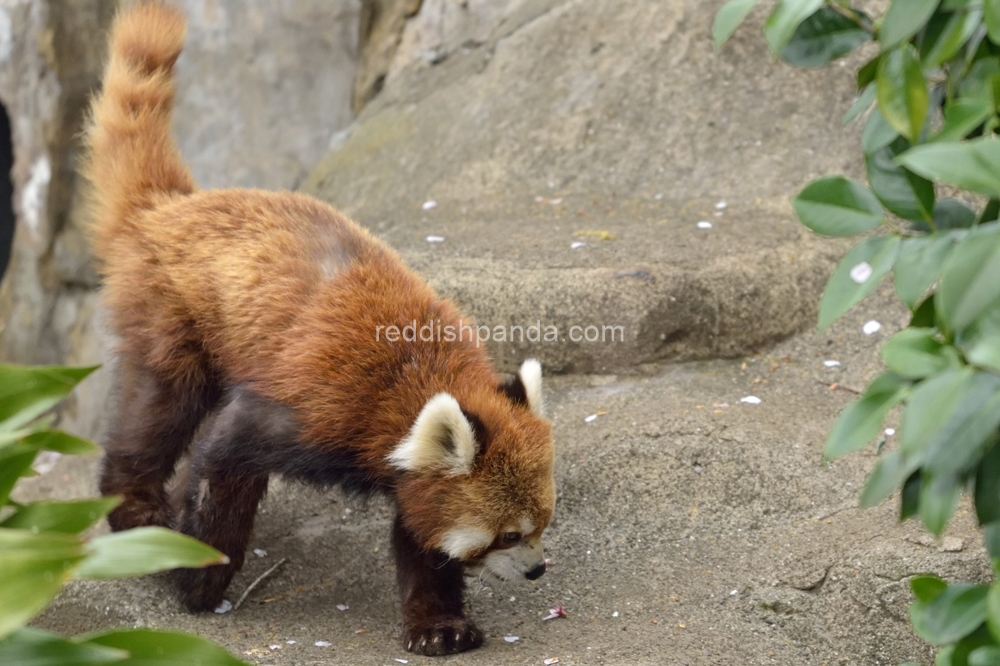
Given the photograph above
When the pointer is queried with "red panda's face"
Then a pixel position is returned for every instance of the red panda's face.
(478, 483)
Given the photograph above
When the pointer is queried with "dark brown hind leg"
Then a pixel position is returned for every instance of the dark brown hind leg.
(221, 514)
(153, 426)
(238, 448)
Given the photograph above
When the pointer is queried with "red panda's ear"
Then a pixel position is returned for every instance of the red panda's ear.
(513, 388)
(441, 439)
(525, 388)
(531, 377)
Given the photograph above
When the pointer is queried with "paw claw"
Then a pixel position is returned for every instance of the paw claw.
(442, 635)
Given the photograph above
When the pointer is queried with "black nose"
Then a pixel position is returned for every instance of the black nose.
(536, 571)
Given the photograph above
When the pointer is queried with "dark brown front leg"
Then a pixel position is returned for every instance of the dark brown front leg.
(431, 587)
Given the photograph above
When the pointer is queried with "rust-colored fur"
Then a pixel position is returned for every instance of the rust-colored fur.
(242, 304)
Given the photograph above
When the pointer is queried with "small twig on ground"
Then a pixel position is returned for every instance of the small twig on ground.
(837, 385)
(264, 575)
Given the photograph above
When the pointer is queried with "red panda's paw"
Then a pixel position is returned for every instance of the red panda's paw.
(202, 590)
(442, 635)
(145, 511)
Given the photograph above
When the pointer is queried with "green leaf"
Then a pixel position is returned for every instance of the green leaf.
(929, 406)
(992, 17)
(890, 473)
(34, 567)
(953, 214)
(61, 442)
(970, 430)
(902, 91)
(909, 499)
(33, 647)
(861, 104)
(877, 134)
(861, 421)
(926, 588)
(993, 610)
(946, 33)
(974, 47)
(970, 283)
(962, 116)
(987, 489)
(924, 314)
(15, 461)
(919, 265)
(838, 206)
(954, 614)
(990, 212)
(785, 20)
(8, 438)
(986, 354)
(971, 165)
(991, 539)
(65, 517)
(28, 392)
(162, 648)
(901, 191)
(982, 346)
(987, 655)
(939, 496)
(143, 551)
(915, 353)
(969, 645)
(981, 81)
(903, 20)
(822, 38)
(729, 18)
(856, 276)
(945, 656)
(866, 75)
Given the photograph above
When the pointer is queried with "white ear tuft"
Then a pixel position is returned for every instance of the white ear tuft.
(531, 377)
(441, 438)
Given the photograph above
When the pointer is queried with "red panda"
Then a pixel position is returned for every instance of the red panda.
(247, 327)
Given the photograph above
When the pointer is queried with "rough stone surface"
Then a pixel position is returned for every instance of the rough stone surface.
(709, 526)
(538, 120)
(263, 86)
(382, 24)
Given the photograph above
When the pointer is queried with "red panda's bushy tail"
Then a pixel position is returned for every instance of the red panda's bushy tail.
(133, 160)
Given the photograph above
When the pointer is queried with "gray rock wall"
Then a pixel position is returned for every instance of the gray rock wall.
(263, 86)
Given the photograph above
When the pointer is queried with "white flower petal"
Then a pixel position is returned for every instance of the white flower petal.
(861, 272)
(871, 327)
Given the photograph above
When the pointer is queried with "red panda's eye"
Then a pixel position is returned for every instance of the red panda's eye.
(510, 538)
